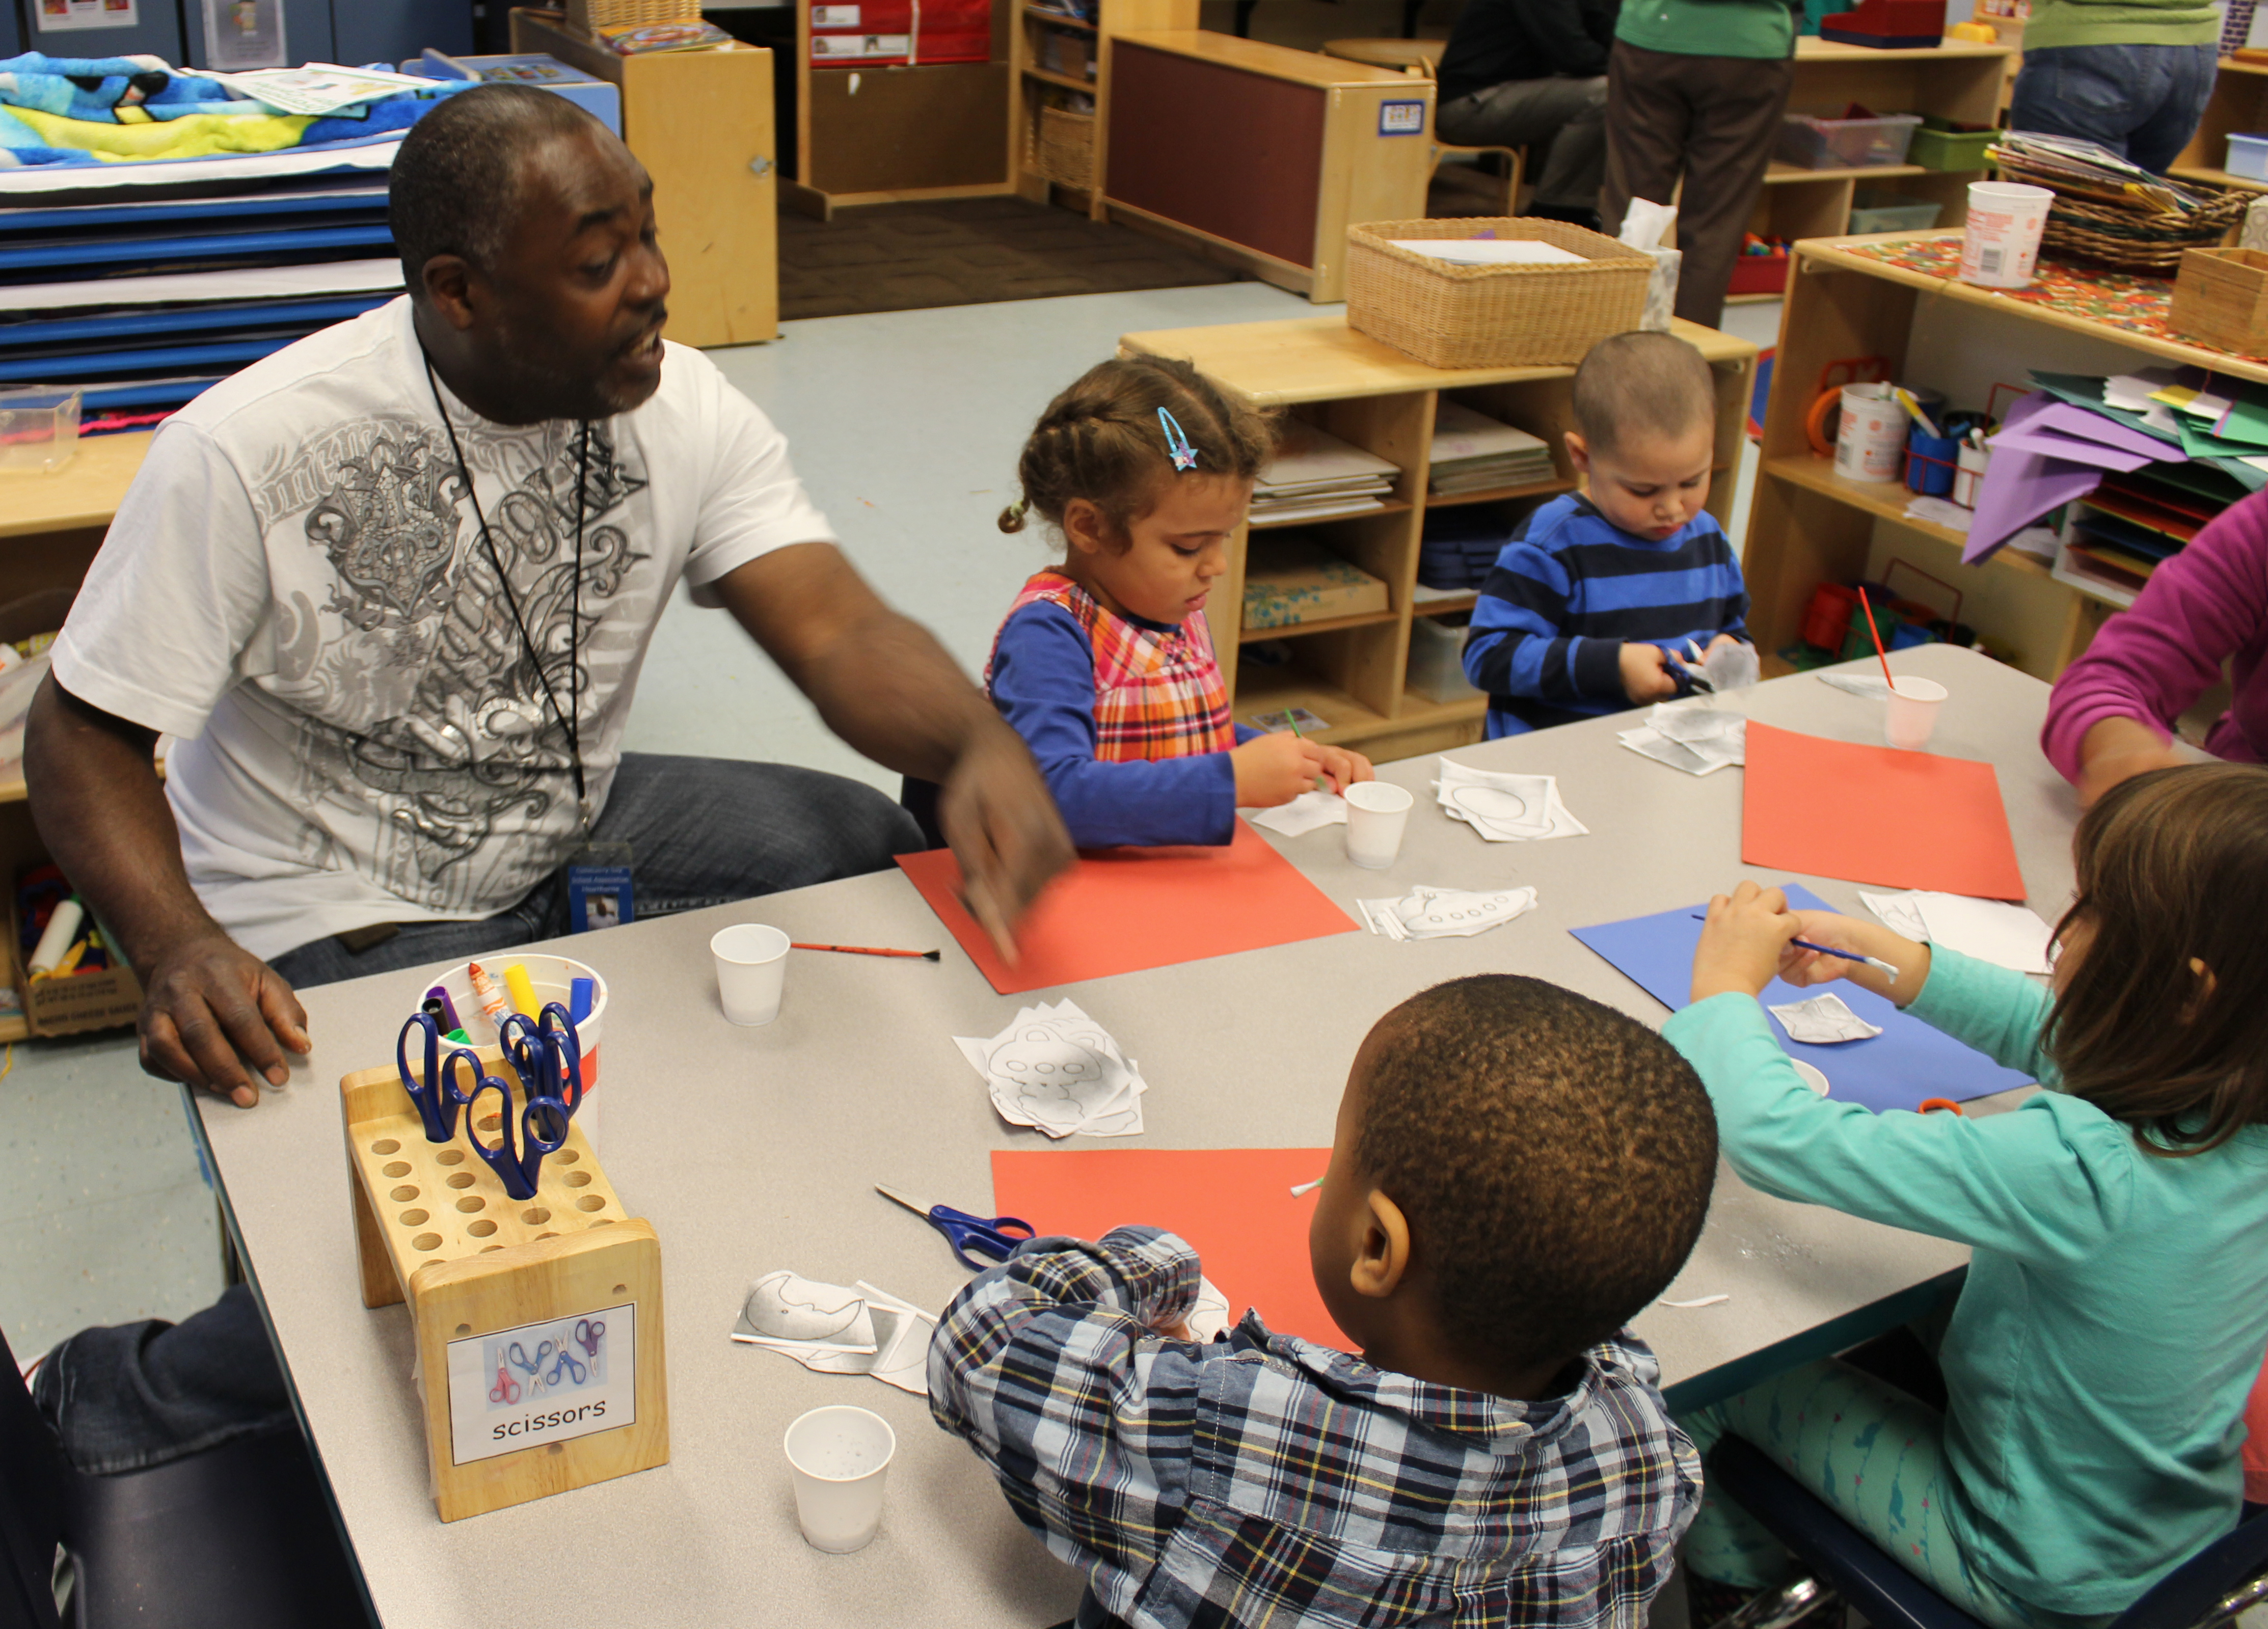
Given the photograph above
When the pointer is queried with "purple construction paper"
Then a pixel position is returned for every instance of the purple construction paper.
(2037, 437)
(2018, 488)
(2074, 420)
(1908, 1061)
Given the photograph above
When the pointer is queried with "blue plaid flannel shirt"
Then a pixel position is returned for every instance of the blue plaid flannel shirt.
(1265, 1479)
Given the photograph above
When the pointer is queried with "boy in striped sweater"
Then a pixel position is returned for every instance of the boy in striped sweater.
(1603, 598)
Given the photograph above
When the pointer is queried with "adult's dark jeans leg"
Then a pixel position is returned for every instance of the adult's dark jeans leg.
(2141, 101)
(2184, 76)
(1737, 106)
(1647, 120)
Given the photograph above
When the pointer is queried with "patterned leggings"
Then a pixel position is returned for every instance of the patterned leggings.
(1877, 1457)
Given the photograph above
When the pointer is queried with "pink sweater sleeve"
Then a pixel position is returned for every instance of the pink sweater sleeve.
(2202, 606)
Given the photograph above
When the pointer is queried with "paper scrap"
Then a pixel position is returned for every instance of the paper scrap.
(1899, 913)
(1505, 809)
(1444, 913)
(1490, 251)
(1698, 1301)
(860, 1330)
(1310, 811)
(1857, 684)
(1824, 1020)
(1056, 1068)
(2007, 935)
(1732, 665)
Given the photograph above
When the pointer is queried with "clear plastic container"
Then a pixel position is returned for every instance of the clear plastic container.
(39, 428)
(1437, 661)
(2247, 156)
(1813, 143)
(1886, 211)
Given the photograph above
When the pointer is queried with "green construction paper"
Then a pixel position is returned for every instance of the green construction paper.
(2247, 422)
(2085, 390)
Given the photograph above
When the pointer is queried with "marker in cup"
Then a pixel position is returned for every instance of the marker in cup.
(837, 1456)
(1911, 712)
(1376, 813)
(751, 965)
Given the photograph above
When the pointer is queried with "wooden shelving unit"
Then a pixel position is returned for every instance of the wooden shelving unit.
(1032, 87)
(1807, 526)
(1351, 671)
(2239, 105)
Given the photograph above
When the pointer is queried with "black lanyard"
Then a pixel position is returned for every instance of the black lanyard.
(567, 720)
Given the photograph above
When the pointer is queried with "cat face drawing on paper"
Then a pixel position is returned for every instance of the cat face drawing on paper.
(1494, 809)
(784, 1305)
(1043, 1064)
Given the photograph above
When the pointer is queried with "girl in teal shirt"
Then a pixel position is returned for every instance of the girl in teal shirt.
(2116, 1309)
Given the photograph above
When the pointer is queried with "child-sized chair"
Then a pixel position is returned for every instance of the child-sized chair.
(2211, 1588)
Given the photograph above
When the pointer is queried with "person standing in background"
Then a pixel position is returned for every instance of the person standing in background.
(1697, 88)
(1522, 73)
(2130, 75)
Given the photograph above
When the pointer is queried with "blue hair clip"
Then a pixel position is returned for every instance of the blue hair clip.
(1177, 445)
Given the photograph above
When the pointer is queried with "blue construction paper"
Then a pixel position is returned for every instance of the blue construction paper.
(1908, 1061)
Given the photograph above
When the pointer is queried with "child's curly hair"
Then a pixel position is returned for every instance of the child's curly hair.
(1102, 440)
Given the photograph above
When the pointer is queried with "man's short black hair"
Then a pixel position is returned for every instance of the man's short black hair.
(1554, 1159)
(455, 181)
(1641, 384)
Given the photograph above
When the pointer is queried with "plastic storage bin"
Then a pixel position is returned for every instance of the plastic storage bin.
(1813, 143)
(1437, 661)
(39, 428)
(1888, 211)
(2247, 156)
(1940, 145)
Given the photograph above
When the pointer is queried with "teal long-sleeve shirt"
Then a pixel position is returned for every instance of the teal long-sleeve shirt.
(2115, 1310)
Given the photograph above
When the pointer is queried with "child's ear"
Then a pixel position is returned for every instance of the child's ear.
(1579, 453)
(1083, 527)
(1381, 1258)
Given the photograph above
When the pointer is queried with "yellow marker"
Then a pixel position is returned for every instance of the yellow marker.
(522, 992)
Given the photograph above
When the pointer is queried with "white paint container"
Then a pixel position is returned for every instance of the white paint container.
(2000, 244)
(1870, 442)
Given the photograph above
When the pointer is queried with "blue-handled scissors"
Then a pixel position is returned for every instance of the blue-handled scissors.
(434, 1089)
(544, 1053)
(521, 1141)
(517, 1356)
(987, 1235)
(588, 1333)
(565, 1360)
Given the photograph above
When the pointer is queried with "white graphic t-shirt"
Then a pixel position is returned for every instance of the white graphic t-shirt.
(296, 588)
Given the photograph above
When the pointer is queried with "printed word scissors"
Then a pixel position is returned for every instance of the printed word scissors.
(989, 1236)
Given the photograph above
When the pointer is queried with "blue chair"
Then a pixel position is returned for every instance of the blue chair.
(2223, 1579)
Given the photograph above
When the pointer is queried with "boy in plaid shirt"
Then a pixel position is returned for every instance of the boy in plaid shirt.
(1516, 1171)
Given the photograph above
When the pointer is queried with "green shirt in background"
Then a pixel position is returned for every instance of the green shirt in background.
(1749, 28)
(2120, 22)
(2117, 1304)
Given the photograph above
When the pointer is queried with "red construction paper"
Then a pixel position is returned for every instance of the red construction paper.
(1234, 1204)
(1901, 820)
(1120, 911)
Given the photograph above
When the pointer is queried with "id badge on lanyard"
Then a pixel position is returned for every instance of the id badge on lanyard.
(600, 892)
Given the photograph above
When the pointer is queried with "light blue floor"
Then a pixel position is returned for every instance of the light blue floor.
(905, 427)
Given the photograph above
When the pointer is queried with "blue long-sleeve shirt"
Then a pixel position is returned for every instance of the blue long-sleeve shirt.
(1565, 596)
(1043, 683)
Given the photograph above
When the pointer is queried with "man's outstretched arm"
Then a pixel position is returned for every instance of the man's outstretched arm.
(212, 1013)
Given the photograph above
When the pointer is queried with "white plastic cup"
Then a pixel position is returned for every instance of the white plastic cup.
(1376, 813)
(1911, 712)
(2000, 244)
(1870, 439)
(1968, 473)
(554, 980)
(751, 966)
(837, 1456)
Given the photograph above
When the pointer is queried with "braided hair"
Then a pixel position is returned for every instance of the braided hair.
(1102, 440)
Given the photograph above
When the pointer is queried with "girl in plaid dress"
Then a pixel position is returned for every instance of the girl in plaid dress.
(1105, 664)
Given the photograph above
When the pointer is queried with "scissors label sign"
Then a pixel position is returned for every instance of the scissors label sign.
(520, 1388)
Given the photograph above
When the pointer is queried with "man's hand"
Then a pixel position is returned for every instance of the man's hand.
(212, 1013)
(1003, 829)
(1273, 770)
(1646, 672)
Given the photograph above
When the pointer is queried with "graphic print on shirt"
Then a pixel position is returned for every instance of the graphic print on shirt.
(423, 705)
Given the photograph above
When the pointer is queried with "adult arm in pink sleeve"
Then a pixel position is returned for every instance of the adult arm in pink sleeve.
(2149, 664)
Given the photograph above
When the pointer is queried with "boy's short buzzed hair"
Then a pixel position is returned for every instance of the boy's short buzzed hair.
(1554, 1158)
(1642, 384)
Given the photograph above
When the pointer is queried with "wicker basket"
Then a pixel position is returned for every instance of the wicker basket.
(586, 15)
(1492, 316)
(2121, 232)
(1063, 147)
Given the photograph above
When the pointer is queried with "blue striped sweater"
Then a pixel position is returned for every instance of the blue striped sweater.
(1566, 594)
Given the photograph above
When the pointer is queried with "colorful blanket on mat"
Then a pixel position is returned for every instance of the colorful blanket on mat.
(113, 109)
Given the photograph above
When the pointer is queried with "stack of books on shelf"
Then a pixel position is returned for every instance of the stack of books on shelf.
(1316, 476)
(1473, 452)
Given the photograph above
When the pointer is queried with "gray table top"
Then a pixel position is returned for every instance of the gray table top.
(751, 1149)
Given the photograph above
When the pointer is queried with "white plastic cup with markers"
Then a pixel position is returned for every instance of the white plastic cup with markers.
(552, 979)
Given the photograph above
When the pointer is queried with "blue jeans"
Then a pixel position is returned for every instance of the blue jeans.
(703, 831)
(2141, 101)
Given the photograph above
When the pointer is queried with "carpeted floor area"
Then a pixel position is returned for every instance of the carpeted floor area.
(967, 252)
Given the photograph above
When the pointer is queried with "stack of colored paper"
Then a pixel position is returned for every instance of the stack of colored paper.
(1316, 476)
(1473, 452)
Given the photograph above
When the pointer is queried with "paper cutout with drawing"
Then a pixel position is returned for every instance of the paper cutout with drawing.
(1232, 1205)
(783, 1307)
(1822, 1021)
(1505, 808)
(1056, 1068)
(1121, 910)
(1309, 812)
(1896, 1069)
(896, 1333)
(1863, 813)
(1445, 913)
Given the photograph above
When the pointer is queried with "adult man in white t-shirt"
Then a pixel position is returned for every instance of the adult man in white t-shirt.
(390, 588)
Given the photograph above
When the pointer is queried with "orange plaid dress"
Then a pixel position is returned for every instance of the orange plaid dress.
(1157, 694)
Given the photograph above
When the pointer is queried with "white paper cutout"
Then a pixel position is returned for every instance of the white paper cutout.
(897, 1332)
(1505, 809)
(1445, 913)
(1057, 1070)
(1310, 811)
(1692, 736)
(1733, 666)
(1698, 1301)
(783, 1307)
(1824, 1020)
(1900, 913)
(1864, 684)
(1210, 1317)
(1991, 930)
